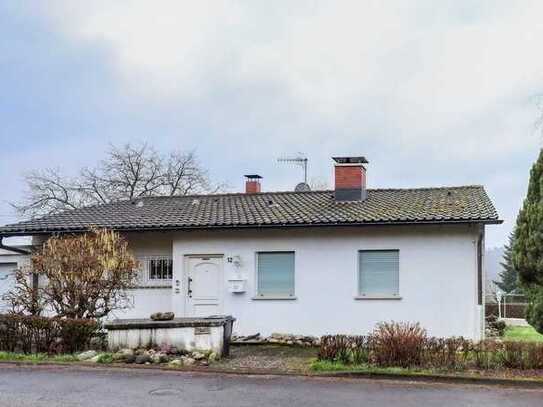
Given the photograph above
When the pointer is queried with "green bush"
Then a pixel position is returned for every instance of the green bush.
(34, 334)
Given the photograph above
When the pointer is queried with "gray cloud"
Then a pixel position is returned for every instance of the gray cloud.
(433, 94)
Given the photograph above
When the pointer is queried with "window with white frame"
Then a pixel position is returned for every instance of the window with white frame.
(275, 274)
(378, 273)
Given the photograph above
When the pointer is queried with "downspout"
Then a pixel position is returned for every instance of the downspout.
(12, 249)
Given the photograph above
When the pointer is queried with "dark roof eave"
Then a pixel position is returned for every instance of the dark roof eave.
(255, 226)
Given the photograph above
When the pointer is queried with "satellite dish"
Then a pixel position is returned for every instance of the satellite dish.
(302, 187)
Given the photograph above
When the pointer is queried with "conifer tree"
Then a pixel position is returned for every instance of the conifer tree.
(528, 245)
(508, 281)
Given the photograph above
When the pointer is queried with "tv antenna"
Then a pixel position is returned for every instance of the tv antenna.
(300, 160)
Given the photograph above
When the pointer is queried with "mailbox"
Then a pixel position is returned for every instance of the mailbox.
(237, 285)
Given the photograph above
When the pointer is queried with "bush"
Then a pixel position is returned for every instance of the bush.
(495, 326)
(87, 276)
(345, 349)
(450, 353)
(398, 344)
(33, 334)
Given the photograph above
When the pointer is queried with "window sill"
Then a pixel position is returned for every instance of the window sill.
(377, 297)
(274, 298)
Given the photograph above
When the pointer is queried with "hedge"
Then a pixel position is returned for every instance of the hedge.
(35, 334)
(512, 310)
(407, 345)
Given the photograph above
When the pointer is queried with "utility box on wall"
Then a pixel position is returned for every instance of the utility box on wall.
(237, 285)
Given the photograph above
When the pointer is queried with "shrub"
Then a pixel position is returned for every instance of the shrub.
(486, 354)
(533, 355)
(495, 326)
(398, 344)
(33, 334)
(87, 276)
(450, 353)
(406, 345)
(361, 349)
(334, 347)
(345, 349)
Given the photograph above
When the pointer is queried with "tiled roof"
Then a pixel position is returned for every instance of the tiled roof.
(464, 204)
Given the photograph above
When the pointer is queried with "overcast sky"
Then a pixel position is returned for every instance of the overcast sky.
(433, 93)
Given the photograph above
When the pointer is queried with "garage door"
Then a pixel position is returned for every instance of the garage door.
(7, 281)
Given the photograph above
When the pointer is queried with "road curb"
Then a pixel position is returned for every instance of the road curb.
(437, 378)
(418, 378)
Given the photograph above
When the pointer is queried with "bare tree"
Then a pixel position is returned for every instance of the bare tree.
(128, 172)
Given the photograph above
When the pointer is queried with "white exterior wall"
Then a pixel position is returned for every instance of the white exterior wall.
(146, 301)
(438, 278)
(9, 262)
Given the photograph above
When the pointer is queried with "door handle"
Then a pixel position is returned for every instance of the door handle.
(189, 289)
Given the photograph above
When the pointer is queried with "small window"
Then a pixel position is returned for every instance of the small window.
(160, 269)
(275, 274)
(378, 273)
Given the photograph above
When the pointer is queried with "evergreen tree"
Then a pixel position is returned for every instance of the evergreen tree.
(528, 245)
(508, 282)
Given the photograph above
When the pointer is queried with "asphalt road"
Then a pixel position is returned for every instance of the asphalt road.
(72, 386)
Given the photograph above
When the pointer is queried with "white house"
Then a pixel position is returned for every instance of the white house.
(10, 260)
(311, 262)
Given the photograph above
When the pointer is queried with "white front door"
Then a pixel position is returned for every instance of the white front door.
(204, 286)
(7, 282)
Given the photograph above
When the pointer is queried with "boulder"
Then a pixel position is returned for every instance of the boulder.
(212, 357)
(162, 316)
(87, 355)
(188, 361)
(143, 358)
(94, 359)
(159, 358)
(175, 363)
(118, 357)
(198, 355)
(123, 355)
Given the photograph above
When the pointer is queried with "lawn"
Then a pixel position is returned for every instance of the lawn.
(522, 333)
(36, 357)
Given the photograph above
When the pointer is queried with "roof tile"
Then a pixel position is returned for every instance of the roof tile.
(395, 206)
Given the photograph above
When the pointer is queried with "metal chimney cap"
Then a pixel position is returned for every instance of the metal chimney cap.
(253, 176)
(350, 160)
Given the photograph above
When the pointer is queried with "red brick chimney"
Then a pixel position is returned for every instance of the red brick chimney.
(350, 179)
(252, 184)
